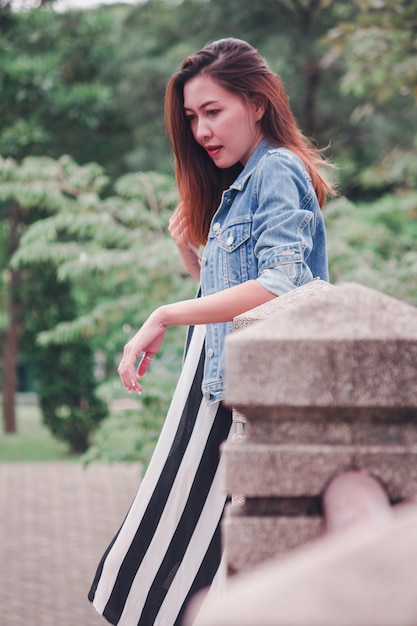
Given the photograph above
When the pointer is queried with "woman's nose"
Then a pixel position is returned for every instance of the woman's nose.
(202, 131)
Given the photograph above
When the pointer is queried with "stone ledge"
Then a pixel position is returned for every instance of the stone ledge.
(290, 299)
(349, 346)
(262, 470)
(326, 431)
(273, 535)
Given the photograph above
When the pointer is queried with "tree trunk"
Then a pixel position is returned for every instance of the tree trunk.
(11, 345)
(313, 74)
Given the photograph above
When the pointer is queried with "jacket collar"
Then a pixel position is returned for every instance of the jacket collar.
(262, 148)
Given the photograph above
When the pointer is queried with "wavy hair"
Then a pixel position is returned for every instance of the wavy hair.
(240, 69)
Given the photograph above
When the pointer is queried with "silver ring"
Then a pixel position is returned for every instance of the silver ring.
(149, 358)
(122, 362)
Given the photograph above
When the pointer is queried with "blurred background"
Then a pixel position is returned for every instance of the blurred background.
(87, 188)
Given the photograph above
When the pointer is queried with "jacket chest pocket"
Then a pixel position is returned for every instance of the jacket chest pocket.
(235, 247)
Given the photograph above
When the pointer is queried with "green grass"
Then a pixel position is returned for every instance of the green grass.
(33, 441)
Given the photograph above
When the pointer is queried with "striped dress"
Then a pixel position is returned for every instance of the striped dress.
(168, 546)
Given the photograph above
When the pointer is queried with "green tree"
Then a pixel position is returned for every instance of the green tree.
(374, 243)
(54, 99)
(379, 51)
(30, 191)
(65, 381)
(119, 255)
(382, 37)
(91, 83)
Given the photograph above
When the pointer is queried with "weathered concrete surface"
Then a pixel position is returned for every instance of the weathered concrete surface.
(347, 348)
(265, 311)
(288, 300)
(293, 470)
(366, 576)
(273, 535)
(326, 379)
(332, 432)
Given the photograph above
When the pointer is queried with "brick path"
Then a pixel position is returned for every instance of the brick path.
(56, 519)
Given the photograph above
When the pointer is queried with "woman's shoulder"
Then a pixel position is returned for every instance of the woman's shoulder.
(282, 163)
(271, 162)
(280, 156)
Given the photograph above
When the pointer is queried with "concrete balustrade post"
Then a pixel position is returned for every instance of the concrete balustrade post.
(326, 383)
(326, 380)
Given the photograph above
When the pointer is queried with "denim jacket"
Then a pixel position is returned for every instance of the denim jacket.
(269, 228)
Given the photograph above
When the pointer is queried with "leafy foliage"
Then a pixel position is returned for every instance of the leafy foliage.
(91, 84)
(39, 188)
(120, 261)
(54, 100)
(120, 242)
(374, 244)
(378, 50)
(65, 373)
(381, 37)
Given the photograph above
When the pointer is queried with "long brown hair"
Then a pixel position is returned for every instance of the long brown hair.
(240, 69)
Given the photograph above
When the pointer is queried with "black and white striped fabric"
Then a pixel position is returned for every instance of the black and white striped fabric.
(168, 547)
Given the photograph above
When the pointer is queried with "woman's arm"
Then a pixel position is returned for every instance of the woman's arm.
(216, 308)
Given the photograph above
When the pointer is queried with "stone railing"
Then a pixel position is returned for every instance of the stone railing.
(326, 381)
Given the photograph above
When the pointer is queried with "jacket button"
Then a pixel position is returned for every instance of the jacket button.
(229, 241)
(210, 353)
(216, 227)
(203, 260)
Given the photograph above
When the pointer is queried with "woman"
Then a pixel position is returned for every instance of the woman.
(251, 189)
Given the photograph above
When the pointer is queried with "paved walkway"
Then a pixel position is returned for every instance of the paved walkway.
(56, 519)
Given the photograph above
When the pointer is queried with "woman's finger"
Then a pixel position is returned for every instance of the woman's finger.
(128, 377)
(145, 363)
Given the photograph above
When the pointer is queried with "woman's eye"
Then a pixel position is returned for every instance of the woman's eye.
(190, 118)
(213, 112)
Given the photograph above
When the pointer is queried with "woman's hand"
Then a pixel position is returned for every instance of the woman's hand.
(188, 250)
(146, 342)
(213, 309)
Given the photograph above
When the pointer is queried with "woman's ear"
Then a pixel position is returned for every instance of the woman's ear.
(259, 106)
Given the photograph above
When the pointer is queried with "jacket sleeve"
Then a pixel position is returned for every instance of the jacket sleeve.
(283, 222)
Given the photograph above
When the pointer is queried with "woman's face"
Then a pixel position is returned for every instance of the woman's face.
(221, 121)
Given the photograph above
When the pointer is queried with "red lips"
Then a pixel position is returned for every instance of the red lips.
(213, 150)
